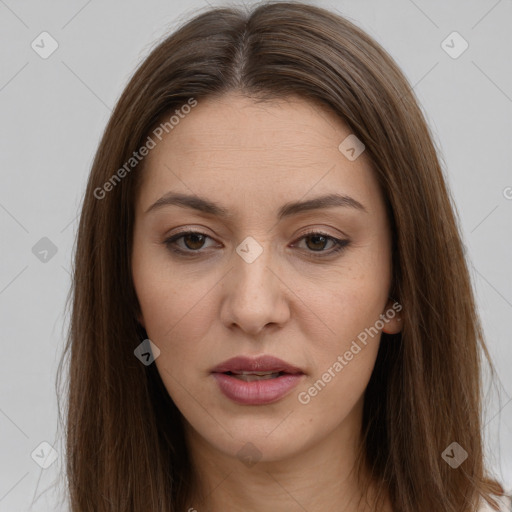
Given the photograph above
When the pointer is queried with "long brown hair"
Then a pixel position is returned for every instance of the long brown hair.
(125, 445)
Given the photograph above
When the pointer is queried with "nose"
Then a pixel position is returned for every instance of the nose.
(255, 295)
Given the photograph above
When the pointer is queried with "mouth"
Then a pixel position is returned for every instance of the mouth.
(259, 381)
(263, 366)
(255, 376)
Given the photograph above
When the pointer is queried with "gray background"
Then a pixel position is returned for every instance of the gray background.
(53, 112)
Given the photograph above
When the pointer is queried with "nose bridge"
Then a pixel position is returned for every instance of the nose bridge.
(251, 261)
(254, 291)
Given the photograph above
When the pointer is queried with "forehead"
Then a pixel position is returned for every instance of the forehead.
(292, 128)
(234, 144)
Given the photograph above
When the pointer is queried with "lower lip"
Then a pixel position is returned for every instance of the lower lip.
(257, 392)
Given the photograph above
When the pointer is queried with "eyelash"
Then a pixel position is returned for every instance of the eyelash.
(340, 244)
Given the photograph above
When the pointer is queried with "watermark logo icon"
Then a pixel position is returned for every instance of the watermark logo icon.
(454, 45)
(44, 45)
(249, 454)
(44, 250)
(351, 147)
(454, 455)
(44, 455)
(249, 249)
(147, 352)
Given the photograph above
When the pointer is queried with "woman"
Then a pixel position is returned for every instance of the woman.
(271, 305)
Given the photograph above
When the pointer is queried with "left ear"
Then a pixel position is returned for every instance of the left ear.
(393, 314)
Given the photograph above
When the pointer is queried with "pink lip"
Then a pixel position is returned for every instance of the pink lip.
(262, 363)
(256, 392)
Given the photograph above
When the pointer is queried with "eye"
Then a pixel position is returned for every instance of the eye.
(319, 240)
(193, 242)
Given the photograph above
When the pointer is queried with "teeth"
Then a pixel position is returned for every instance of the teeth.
(250, 377)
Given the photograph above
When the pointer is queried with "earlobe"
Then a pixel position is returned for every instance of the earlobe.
(393, 327)
(393, 316)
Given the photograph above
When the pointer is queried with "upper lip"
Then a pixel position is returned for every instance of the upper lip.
(264, 363)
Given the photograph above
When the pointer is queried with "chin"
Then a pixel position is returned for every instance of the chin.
(246, 438)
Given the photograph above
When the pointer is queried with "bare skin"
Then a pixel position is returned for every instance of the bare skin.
(298, 300)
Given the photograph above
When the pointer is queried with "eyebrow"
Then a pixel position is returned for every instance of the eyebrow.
(287, 210)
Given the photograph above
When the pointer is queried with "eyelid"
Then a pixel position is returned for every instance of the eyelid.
(339, 243)
(180, 234)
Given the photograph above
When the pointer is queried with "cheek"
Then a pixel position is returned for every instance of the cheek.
(173, 312)
(344, 353)
(178, 310)
(350, 302)
(343, 358)
(167, 296)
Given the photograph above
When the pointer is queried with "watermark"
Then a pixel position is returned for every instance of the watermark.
(249, 454)
(454, 45)
(351, 147)
(44, 249)
(44, 455)
(146, 352)
(137, 156)
(304, 397)
(454, 455)
(249, 249)
(44, 45)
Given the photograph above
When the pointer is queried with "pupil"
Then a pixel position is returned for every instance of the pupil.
(316, 237)
(196, 236)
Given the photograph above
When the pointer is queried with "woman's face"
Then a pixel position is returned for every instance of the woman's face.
(263, 276)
